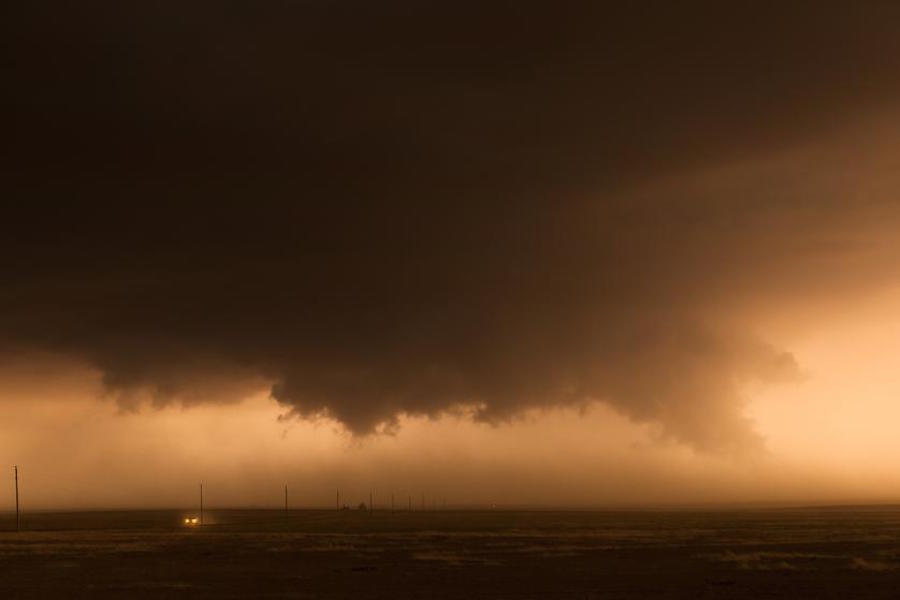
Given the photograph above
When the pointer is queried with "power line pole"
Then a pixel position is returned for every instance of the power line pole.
(16, 477)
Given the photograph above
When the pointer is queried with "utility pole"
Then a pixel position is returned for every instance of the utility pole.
(201, 504)
(16, 477)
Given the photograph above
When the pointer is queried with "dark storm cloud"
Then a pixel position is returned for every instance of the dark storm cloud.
(391, 208)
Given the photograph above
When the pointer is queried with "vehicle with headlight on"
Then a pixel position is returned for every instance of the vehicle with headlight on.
(191, 521)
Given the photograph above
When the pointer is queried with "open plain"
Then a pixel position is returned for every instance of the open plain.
(770, 553)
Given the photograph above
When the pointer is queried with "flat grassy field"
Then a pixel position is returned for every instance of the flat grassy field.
(784, 553)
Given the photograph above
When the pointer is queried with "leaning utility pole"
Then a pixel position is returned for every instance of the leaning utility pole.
(16, 477)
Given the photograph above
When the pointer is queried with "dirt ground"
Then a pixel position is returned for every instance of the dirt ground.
(785, 553)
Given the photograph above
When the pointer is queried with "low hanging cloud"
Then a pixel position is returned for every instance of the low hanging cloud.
(385, 210)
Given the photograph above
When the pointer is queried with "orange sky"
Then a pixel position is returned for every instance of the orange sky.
(828, 435)
(828, 438)
(566, 254)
